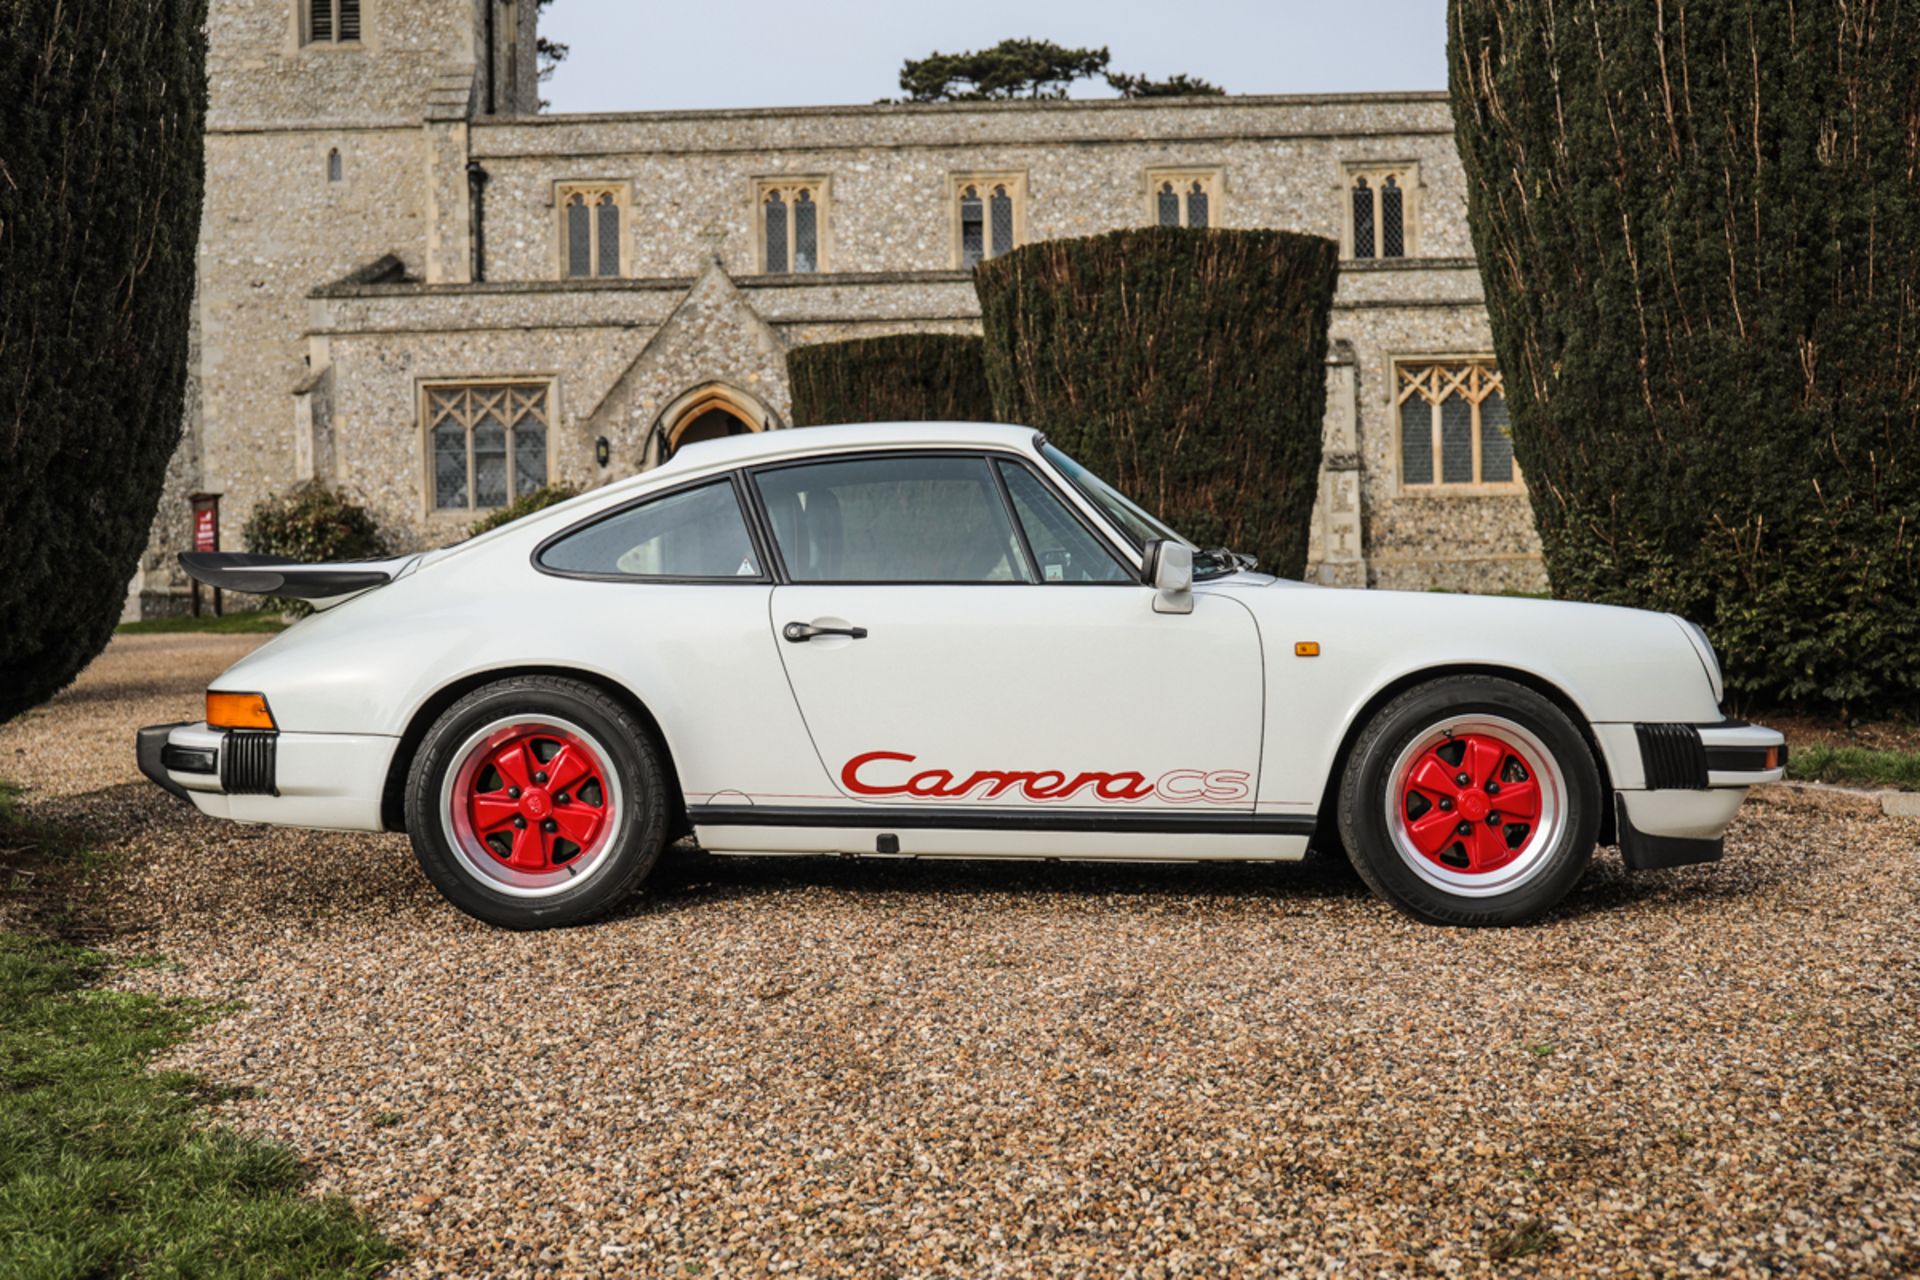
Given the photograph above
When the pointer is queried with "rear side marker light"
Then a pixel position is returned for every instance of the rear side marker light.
(238, 711)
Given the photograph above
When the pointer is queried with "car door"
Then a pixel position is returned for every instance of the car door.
(957, 638)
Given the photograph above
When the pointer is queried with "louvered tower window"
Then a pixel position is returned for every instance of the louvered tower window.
(332, 21)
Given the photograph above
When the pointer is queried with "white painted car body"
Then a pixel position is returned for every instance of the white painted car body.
(1006, 719)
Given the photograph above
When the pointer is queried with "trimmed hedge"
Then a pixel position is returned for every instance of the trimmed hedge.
(1700, 244)
(908, 377)
(1188, 368)
(100, 147)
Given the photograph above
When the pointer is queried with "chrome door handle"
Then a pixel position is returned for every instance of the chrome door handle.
(801, 632)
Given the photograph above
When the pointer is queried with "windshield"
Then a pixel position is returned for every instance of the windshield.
(1132, 520)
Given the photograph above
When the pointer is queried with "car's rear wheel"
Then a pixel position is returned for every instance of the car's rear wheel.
(1471, 800)
(537, 801)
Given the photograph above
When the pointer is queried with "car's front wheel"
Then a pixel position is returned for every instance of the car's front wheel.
(1471, 800)
(537, 801)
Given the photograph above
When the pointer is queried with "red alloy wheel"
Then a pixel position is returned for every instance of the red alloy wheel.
(538, 800)
(1471, 803)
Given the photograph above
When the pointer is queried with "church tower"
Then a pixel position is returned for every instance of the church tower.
(336, 136)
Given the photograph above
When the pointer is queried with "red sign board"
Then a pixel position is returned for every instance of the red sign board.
(206, 530)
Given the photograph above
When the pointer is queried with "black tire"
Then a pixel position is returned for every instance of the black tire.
(620, 860)
(1551, 859)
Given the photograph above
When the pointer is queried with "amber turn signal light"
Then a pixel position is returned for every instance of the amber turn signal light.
(1307, 649)
(238, 711)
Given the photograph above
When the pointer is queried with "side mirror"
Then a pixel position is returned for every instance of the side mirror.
(1168, 569)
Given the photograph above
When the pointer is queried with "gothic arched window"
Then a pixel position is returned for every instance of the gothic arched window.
(792, 224)
(1383, 199)
(990, 215)
(590, 230)
(1183, 197)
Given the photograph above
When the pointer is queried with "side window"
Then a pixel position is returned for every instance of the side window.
(899, 519)
(1065, 549)
(695, 533)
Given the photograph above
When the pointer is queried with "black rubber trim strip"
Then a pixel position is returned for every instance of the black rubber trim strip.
(270, 576)
(1643, 852)
(1744, 759)
(931, 819)
(147, 745)
(189, 759)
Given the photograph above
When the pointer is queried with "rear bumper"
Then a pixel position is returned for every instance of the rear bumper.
(1679, 785)
(326, 780)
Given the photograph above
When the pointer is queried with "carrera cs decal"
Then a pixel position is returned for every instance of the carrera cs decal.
(887, 773)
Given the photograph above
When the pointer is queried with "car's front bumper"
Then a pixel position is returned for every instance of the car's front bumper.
(1677, 786)
(329, 780)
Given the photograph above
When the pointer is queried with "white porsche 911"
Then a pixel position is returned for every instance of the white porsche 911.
(945, 640)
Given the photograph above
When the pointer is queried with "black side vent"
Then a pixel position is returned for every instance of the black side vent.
(1674, 757)
(247, 763)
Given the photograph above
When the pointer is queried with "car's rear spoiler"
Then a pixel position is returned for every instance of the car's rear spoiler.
(285, 576)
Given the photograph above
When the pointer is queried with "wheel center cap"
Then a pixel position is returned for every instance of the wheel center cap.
(1474, 805)
(537, 805)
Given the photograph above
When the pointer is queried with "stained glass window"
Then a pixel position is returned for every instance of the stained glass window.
(486, 442)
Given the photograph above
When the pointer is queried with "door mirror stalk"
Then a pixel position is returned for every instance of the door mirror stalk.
(1168, 568)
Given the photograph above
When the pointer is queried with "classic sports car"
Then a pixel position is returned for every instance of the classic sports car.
(945, 640)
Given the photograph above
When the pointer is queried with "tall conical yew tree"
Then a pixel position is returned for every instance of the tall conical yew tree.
(1186, 367)
(1698, 227)
(100, 185)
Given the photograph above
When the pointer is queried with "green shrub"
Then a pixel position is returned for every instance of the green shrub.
(524, 505)
(311, 523)
(1186, 367)
(908, 377)
(100, 187)
(1700, 245)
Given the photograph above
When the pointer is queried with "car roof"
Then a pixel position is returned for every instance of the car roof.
(763, 445)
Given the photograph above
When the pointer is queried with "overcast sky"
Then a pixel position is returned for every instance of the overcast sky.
(641, 55)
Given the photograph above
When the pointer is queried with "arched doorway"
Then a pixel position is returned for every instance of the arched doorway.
(711, 424)
(706, 413)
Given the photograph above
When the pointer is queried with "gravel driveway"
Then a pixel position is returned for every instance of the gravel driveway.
(833, 1068)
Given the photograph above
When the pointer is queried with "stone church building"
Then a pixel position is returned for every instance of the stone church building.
(415, 286)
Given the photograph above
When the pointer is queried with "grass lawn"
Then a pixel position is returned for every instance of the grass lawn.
(248, 623)
(1854, 766)
(108, 1168)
